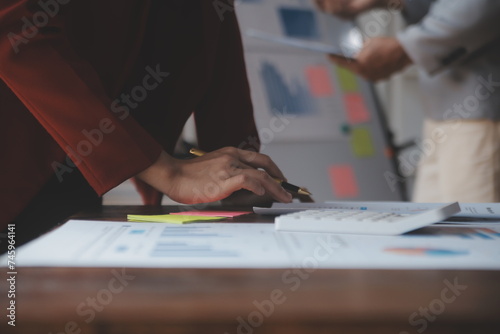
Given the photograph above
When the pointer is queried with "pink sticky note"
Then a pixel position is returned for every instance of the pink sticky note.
(356, 108)
(320, 83)
(343, 181)
(230, 214)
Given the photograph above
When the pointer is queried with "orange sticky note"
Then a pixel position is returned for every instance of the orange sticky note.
(343, 181)
(356, 108)
(320, 83)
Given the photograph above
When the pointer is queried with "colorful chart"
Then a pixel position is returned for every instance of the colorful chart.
(462, 232)
(411, 251)
(481, 233)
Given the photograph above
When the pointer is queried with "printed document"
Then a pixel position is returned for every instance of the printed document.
(81, 243)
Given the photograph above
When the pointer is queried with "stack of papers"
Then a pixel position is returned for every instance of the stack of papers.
(255, 245)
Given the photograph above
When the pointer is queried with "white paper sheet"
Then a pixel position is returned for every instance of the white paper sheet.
(242, 245)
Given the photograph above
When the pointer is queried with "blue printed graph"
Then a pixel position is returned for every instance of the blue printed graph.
(424, 251)
(283, 98)
(189, 242)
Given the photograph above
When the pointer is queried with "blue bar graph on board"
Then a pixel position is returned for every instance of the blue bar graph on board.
(284, 99)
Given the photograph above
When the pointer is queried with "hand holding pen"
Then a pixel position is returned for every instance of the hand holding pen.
(215, 176)
(287, 186)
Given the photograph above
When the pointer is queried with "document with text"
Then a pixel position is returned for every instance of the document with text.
(81, 243)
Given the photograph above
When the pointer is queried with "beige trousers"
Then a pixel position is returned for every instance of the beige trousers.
(460, 161)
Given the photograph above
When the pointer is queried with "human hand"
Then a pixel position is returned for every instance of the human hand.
(247, 198)
(379, 58)
(215, 176)
(348, 9)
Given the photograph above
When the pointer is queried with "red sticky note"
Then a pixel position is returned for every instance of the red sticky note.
(355, 108)
(230, 214)
(320, 83)
(343, 181)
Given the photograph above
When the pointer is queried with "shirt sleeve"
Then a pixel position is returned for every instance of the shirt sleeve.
(66, 96)
(450, 32)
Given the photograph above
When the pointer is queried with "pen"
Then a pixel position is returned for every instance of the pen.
(287, 186)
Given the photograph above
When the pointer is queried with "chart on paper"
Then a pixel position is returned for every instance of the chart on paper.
(253, 245)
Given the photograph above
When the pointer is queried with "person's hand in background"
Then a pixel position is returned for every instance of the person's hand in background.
(215, 176)
(379, 58)
(348, 9)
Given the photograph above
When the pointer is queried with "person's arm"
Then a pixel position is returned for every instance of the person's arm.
(225, 116)
(450, 32)
(380, 57)
(64, 93)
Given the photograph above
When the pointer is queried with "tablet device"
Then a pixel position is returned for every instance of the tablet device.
(350, 42)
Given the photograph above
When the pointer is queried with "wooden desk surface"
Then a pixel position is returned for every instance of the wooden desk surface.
(118, 300)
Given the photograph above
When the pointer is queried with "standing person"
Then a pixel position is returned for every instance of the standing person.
(95, 92)
(456, 46)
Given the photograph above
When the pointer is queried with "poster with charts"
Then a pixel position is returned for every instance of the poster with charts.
(333, 117)
(295, 97)
(299, 87)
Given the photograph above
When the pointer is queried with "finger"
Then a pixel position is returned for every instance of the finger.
(336, 7)
(320, 4)
(243, 181)
(227, 159)
(258, 160)
(250, 158)
(260, 183)
(272, 187)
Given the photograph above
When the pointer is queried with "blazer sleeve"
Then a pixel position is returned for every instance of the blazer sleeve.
(225, 115)
(66, 96)
(450, 32)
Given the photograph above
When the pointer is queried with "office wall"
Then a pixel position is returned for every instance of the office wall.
(399, 97)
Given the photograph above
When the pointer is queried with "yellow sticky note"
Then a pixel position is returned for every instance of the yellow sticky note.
(172, 219)
(362, 143)
(347, 80)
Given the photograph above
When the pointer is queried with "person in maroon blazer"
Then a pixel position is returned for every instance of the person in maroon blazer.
(94, 92)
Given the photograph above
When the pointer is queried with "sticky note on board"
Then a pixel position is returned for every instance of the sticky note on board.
(229, 214)
(362, 143)
(172, 219)
(320, 84)
(347, 80)
(343, 181)
(355, 108)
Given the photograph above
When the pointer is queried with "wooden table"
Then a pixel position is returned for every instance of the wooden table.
(118, 300)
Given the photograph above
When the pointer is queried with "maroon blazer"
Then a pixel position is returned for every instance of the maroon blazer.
(104, 86)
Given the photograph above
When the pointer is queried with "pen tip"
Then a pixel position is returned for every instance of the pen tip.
(304, 192)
